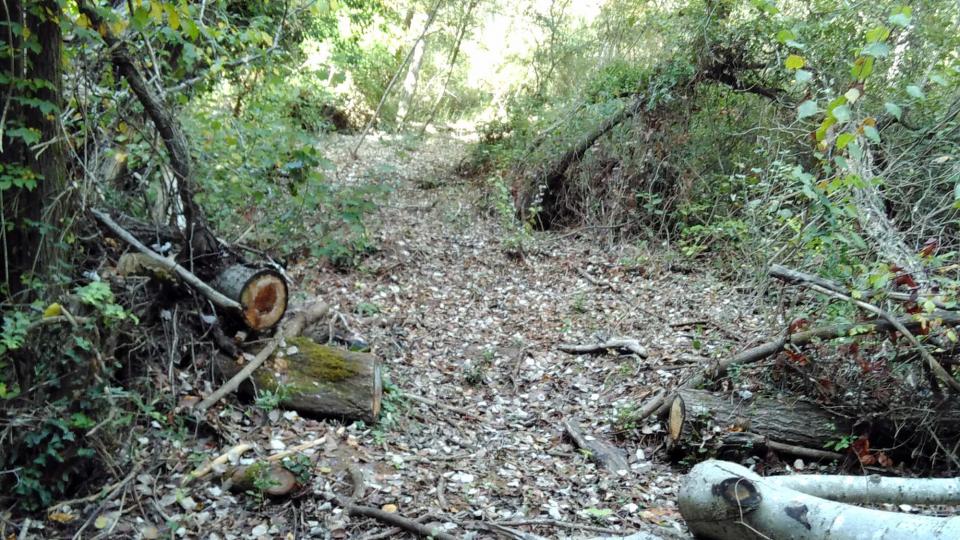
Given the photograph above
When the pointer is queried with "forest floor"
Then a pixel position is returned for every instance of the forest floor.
(468, 332)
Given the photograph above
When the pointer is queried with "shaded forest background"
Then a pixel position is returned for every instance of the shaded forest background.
(726, 134)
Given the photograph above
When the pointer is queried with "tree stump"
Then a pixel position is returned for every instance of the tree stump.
(317, 381)
(261, 293)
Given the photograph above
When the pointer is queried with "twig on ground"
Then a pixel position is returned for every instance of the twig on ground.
(626, 344)
(231, 454)
(433, 403)
(296, 449)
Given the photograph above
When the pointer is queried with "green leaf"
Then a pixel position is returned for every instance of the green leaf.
(802, 76)
(841, 113)
(893, 109)
(915, 91)
(844, 139)
(852, 95)
(872, 133)
(784, 36)
(862, 68)
(807, 108)
(900, 16)
(794, 62)
(876, 50)
(855, 151)
(880, 33)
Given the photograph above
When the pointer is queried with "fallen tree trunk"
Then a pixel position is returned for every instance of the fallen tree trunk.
(317, 380)
(725, 501)
(260, 292)
(797, 423)
(874, 489)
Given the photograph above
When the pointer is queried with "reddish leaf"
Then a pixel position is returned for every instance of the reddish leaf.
(905, 280)
(929, 247)
(867, 459)
(861, 447)
(884, 460)
(797, 324)
(796, 357)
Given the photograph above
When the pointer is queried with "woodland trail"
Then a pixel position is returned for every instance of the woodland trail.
(462, 323)
(472, 424)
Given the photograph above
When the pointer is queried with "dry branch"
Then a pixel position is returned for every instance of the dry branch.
(617, 343)
(230, 455)
(932, 362)
(660, 404)
(219, 299)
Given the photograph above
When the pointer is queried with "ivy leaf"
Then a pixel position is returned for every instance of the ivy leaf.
(844, 139)
(880, 33)
(802, 76)
(841, 113)
(915, 91)
(872, 133)
(855, 151)
(852, 95)
(876, 50)
(862, 68)
(794, 62)
(807, 108)
(900, 16)
(784, 36)
(893, 109)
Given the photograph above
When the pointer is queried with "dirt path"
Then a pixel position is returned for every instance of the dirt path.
(472, 423)
(462, 323)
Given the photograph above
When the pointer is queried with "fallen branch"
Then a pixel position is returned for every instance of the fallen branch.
(874, 489)
(407, 524)
(660, 404)
(296, 449)
(218, 299)
(932, 362)
(603, 453)
(230, 455)
(619, 343)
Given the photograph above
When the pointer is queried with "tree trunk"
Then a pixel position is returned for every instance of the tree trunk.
(261, 293)
(451, 66)
(725, 501)
(695, 416)
(411, 81)
(317, 381)
(27, 248)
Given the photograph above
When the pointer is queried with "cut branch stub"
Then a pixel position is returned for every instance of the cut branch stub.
(261, 293)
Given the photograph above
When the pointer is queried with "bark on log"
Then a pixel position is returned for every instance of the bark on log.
(874, 489)
(603, 453)
(261, 293)
(725, 501)
(317, 381)
(795, 423)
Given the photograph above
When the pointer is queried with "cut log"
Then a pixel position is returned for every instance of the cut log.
(798, 423)
(725, 501)
(261, 293)
(317, 381)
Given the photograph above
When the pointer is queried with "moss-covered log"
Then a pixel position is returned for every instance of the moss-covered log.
(317, 380)
(261, 293)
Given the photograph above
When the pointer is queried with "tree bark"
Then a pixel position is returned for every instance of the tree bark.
(317, 380)
(411, 80)
(695, 413)
(725, 501)
(27, 248)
